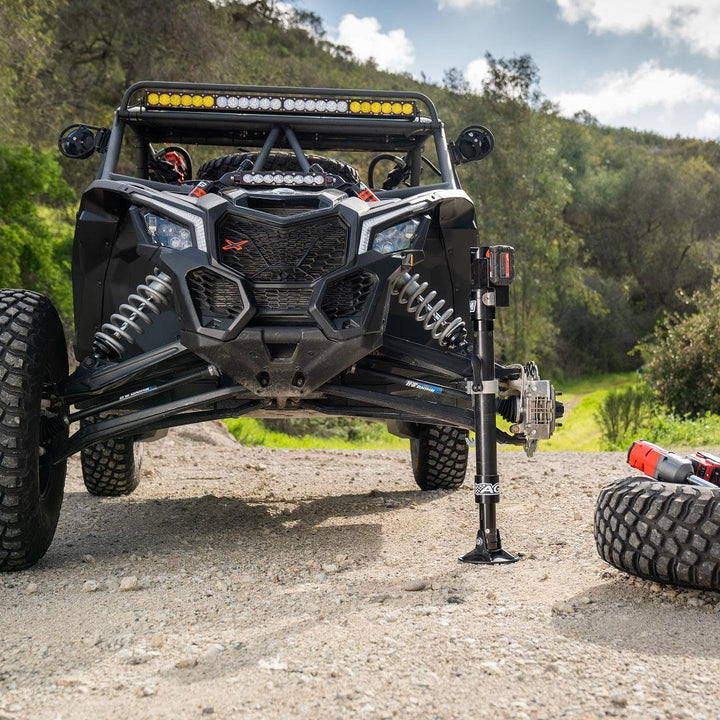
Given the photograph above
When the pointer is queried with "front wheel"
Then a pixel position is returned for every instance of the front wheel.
(665, 532)
(439, 456)
(112, 467)
(33, 359)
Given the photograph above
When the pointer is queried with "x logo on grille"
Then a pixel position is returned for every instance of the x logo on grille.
(236, 245)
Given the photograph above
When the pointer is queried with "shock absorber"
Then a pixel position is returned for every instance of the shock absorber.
(448, 331)
(149, 297)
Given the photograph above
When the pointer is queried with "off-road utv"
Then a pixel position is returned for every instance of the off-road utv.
(307, 268)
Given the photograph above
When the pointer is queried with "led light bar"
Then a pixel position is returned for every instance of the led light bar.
(160, 100)
(251, 178)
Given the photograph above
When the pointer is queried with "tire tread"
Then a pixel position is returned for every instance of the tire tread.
(439, 457)
(659, 531)
(31, 335)
(111, 468)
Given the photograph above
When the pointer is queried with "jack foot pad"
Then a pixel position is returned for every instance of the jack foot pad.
(480, 555)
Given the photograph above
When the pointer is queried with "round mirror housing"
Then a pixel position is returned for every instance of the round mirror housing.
(475, 142)
(77, 141)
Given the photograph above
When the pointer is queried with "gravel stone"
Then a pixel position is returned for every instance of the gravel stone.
(128, 583)
(414, 585)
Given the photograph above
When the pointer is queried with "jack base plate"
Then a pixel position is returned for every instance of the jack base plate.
(480, 555)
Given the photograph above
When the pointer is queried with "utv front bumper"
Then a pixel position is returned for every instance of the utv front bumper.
(263, 338)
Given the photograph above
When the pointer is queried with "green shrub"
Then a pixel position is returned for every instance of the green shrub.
(683, 360)
(35, 247)
(622, 414)
(253, 432)
(669, 431)
(342, 428)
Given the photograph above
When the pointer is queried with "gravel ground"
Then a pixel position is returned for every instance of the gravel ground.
(259, 583)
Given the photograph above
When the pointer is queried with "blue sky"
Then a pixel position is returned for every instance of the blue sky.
(645, 64)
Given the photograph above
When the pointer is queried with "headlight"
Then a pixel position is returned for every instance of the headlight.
(168, 233)
(396, 238)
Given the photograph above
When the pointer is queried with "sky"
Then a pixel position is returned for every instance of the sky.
(644, 64)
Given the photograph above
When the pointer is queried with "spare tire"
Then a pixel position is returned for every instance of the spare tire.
(666, 532)
(214, 169)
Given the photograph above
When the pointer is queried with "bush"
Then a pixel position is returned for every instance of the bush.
(622, 414)
(34, 249)
(683, 362)
(342, 428)
(669, 431)
(253, 432)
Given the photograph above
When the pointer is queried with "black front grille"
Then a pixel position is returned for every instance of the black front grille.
(347, 296)
(282, 208)
(282, 298)
(215, 297)
(298, 253)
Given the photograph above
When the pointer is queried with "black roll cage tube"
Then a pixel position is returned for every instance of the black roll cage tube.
(379, 127)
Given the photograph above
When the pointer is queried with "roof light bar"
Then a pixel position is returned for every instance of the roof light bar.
(283, 179)
(160, 100)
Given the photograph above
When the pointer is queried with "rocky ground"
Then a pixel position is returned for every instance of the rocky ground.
(258, 583)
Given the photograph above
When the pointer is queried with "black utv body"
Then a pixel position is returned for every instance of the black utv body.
(272, 280)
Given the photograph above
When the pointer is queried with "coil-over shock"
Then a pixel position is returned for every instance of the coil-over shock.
(449, 332)
(149, 297)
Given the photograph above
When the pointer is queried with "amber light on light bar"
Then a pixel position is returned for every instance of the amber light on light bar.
(161, 100)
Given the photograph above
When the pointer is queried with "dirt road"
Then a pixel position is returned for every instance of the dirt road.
(258, 583)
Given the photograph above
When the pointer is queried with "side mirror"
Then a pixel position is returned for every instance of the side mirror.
(475, 142)
(81, 141)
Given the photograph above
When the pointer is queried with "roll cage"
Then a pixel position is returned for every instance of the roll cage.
(295, 131)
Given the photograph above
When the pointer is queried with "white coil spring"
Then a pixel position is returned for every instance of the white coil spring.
(448, 332)
(149, 296)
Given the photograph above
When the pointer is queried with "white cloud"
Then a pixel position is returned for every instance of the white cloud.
(465, 4)
(284, 12)
(476, 73)
(618, 94)
(694, 22)
(392, 50)
(709, 124)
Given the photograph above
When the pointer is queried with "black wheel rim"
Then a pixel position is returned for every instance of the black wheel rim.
(52, 428)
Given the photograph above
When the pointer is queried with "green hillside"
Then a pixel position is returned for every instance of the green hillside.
(608, 224)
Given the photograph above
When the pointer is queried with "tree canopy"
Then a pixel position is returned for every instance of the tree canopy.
(609, 225)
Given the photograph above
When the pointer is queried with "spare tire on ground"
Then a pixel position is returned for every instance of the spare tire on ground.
(666, 532)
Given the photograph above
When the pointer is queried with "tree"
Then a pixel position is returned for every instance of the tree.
(34, 250)
(682, 360)
(523, 188)
(652, 221)
(513, 79)
(454, 80)
(24, 61)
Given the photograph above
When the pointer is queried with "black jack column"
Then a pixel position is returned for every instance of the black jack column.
(492, 272)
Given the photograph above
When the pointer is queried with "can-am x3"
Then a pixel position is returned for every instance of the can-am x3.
(273, 282)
